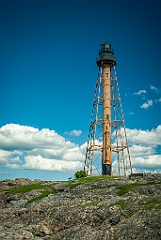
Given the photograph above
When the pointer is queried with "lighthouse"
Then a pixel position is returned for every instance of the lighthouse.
(107, 149)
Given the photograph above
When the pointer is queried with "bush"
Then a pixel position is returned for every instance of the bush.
(80, 174)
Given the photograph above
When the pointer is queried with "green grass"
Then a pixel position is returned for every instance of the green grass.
(89, 179)
(124, 189)
(27, 188)
(154, 203)
(95, 179)
(88, 204)
(128, 187)
(41, 196)
(46, 190)
(122, 204)
(98, 187)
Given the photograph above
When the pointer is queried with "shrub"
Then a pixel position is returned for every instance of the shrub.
(80, 174)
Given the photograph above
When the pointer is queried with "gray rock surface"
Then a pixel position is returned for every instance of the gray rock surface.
(115, 209)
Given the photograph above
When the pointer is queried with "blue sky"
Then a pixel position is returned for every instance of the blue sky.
(48, 51)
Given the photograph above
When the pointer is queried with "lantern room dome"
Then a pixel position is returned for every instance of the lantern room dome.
(106, 55)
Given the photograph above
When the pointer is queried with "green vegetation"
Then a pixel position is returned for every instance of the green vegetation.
(41, 196)
(46, 190)
(153, 203)
(124, 189)
(88, 179)
(95, 179)
(122, 204)
(80, 174)
(27, 188)
(90, 203)
(127, 187)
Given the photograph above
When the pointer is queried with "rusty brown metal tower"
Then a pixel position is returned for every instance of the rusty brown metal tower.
(107, 151)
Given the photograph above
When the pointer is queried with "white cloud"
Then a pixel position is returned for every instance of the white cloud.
(9, 156)
(143, 149)
(74, 154)
(76, 133)
(148, 104)
(27, 147)
(130, 113)
(154, 88)
(158, 100)
(152, 161)
(145, 137)
(140, 92)
(13, 165)
(14, 136)
(41, 163)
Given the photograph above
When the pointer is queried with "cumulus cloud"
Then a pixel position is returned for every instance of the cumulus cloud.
(154, 88)
(30, 148)
(143, 145)
(42, 163)
(11, 156)
(141, 151)
(75, 133)
(145, 137)
(24, 147)
(145, 148)
(148, 104)
(140, 92)
(150, 162)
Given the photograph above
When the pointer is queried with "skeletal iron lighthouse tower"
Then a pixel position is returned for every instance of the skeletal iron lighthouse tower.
(107, 150)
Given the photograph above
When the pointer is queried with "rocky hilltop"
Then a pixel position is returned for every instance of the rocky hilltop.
(92, 208)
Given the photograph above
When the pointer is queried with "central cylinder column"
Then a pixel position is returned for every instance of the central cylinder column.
(107, 153)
